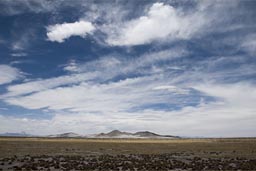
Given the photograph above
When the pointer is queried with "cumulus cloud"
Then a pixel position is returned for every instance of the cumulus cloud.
(160, 22)
(60, 32)
(8, 74)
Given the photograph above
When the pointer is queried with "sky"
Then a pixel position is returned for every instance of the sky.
(177, 67)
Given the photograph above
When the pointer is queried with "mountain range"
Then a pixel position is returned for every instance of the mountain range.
(112, 134)
(142, 134)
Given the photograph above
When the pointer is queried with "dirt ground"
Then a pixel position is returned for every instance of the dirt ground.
(127, 154)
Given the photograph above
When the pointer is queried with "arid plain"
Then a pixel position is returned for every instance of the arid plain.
(127, 154)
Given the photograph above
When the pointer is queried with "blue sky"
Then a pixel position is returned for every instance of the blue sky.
(173, 67)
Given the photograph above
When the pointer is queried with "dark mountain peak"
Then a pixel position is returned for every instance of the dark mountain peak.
(66, 135)
(115, 132)
(146, 134)
(69, 133)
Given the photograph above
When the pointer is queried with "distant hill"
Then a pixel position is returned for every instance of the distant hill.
(15, 134)
(66, 135)
(114, 134)
(142, 134)
(146, 134)
(154, 135)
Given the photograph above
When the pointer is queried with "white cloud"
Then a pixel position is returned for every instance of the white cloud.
(82, 101)
(72, 66)
(106, 106)
(8, 74)
(239, 95)
(112, 65)
(160, 22)
(60, 32)
(173, 89)
(87, 97)
(40, 85)
(103, 69)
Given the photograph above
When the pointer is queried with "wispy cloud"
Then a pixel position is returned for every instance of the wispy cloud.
(219, 118)
(249, 44)
(72, 66)
(103, 69)
(19, 54)
(14, 8)
(40, 85)
(195, 97)
(9, 74)
(22, 40)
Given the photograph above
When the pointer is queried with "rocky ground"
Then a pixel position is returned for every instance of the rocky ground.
(143, 162)
(126, 154)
